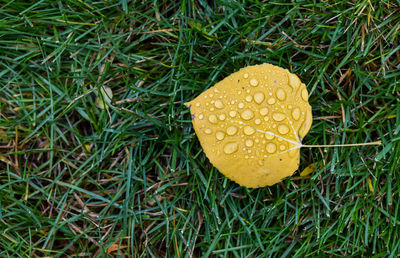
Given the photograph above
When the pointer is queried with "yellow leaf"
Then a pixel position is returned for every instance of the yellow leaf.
(308, 170)
(104, 97)
(251, 124)
(371, 188)
(87, 147)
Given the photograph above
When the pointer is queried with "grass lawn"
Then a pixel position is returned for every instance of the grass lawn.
(132, 179)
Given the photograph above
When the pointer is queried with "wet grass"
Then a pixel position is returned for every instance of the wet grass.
(132, 179)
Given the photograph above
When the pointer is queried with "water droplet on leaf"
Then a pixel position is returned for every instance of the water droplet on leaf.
(253, 82)
(213, 119)
(259, 97)
(230, 148)
(247, 114)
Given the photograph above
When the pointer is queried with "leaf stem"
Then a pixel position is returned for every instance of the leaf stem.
(343, 145)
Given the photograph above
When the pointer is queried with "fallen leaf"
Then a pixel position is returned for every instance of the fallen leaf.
(115, 247)
(87, 147)
(308, 170)
(251, 124)
(104, 97)
(371, 188)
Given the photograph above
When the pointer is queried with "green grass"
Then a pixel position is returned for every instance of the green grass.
(79, 180)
